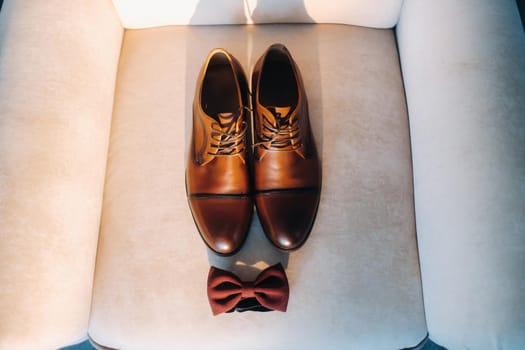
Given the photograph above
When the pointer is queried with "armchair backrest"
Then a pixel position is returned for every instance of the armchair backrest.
(151, 13)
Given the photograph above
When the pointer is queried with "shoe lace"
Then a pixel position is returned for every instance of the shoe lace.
(227, 138)
(281, 134)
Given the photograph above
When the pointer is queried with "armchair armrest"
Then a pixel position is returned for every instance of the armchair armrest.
(463, 64)
(58, 62)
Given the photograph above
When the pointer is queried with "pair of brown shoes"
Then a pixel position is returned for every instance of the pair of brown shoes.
(235, 159)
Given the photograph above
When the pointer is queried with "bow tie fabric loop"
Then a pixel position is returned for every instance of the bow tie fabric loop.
(248, 290)
(226, 290)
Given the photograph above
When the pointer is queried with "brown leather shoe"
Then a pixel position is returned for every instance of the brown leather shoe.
(286, 166)
(217, 176)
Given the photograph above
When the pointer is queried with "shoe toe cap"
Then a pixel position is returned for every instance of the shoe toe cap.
(222, 222)
(287, 217)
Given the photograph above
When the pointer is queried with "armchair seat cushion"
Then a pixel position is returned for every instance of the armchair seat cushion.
(357, 275)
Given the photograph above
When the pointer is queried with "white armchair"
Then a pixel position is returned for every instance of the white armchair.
(418, 109)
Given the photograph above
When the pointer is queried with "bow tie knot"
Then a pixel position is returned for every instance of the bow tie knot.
(270, 289)
(248, 290)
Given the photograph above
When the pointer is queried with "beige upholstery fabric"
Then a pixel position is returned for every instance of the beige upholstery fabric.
(150, 13)
(464, 70)
(57, 71)
(355, 284)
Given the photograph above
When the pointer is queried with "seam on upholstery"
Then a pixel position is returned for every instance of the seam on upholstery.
(398, 17)
(413, 175)
(105, 173)
(98, 346)
(420, 345)
(521, 10)
(117, 14)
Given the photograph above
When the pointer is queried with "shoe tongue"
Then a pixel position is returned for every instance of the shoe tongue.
(280, 111)
(226, 119)
(280, 114)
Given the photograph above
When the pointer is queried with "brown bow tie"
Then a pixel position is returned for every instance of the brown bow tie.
(270, 289)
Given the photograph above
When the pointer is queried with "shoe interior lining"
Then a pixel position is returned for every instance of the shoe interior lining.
(219, 90)
(278, 86)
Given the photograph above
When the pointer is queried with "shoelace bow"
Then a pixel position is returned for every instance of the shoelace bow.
(282, 135)
(226, 139)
